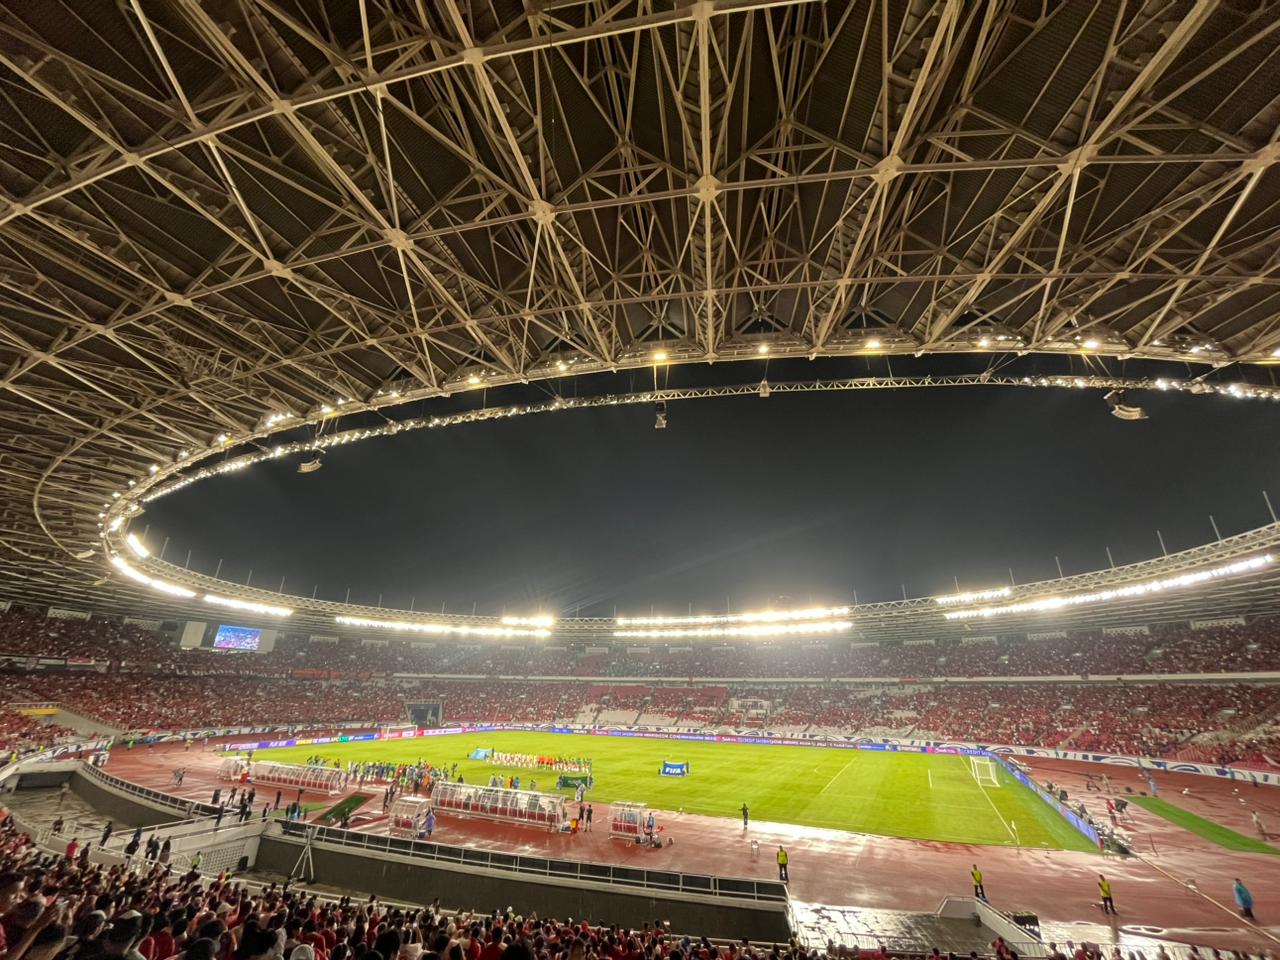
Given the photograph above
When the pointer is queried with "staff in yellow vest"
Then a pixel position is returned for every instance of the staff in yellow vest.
(978, 890)
(782, 864)
(1104, 888)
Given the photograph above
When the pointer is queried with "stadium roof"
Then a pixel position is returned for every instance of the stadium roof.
(220, 218)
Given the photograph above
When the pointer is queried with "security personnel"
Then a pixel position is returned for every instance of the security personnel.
(978, 890)
(1104, 888)
(782, 864)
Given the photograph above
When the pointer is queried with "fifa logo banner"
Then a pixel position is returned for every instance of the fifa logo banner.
(672, 769)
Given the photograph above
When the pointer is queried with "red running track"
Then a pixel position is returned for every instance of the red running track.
(834, 867)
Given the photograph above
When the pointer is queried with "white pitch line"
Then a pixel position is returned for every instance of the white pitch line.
(930, 773)
(1013, 836)
(840, 773)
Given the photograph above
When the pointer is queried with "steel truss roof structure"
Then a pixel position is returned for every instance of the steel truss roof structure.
(220, 216)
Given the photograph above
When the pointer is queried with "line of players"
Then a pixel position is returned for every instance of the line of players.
(534, 761)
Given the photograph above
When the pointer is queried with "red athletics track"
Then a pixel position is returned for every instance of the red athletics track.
(834, 867)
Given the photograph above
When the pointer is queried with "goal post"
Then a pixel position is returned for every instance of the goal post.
(984, 771)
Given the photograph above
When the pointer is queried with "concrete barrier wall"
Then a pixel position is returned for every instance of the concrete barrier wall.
(418, 881)
(119, 807)
(37, 777)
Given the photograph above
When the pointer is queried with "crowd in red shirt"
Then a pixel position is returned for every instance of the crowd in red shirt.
(1165, 649)
(68, 907)
(316, 683)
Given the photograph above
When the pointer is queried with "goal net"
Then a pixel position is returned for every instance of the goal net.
(984, 771)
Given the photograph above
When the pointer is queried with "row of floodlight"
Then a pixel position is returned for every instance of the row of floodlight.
(445, 629)
(177, 590)
(760, 616)
(871, 343)
(1235, 390)
(153, 492)
(1042, 604)
(755, 624)
(763, 623)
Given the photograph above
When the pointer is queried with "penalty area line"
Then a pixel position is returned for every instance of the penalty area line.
(986, 796)
(838, 773)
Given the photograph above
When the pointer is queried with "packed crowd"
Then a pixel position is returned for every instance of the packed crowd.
(185, 703)
(1148, 719)
(1210, 722)
(68, 907)
(21, 734)
(1166, 649)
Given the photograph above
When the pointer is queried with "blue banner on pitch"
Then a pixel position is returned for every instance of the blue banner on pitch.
(670, 769)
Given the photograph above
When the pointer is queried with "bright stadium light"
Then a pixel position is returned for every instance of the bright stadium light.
(742, 630)
(136, 545)
(442, 629)
(762, 616)
(162, 585)
(248, 606)
(1101, 596)
(949, 599)
(541, 620)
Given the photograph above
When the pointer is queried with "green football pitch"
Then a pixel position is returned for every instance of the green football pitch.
(920, 796)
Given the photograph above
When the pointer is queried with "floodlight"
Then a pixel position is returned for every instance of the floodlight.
(1122, 410)
(248, 606)
(1041, 604)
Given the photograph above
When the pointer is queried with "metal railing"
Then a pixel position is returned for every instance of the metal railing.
(188, 808)
(665, 881)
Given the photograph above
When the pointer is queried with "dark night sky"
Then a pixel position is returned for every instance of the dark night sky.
(739, 501)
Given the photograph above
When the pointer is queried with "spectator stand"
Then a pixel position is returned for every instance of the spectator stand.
(268, 773)
(408, 817)
(545, 810)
